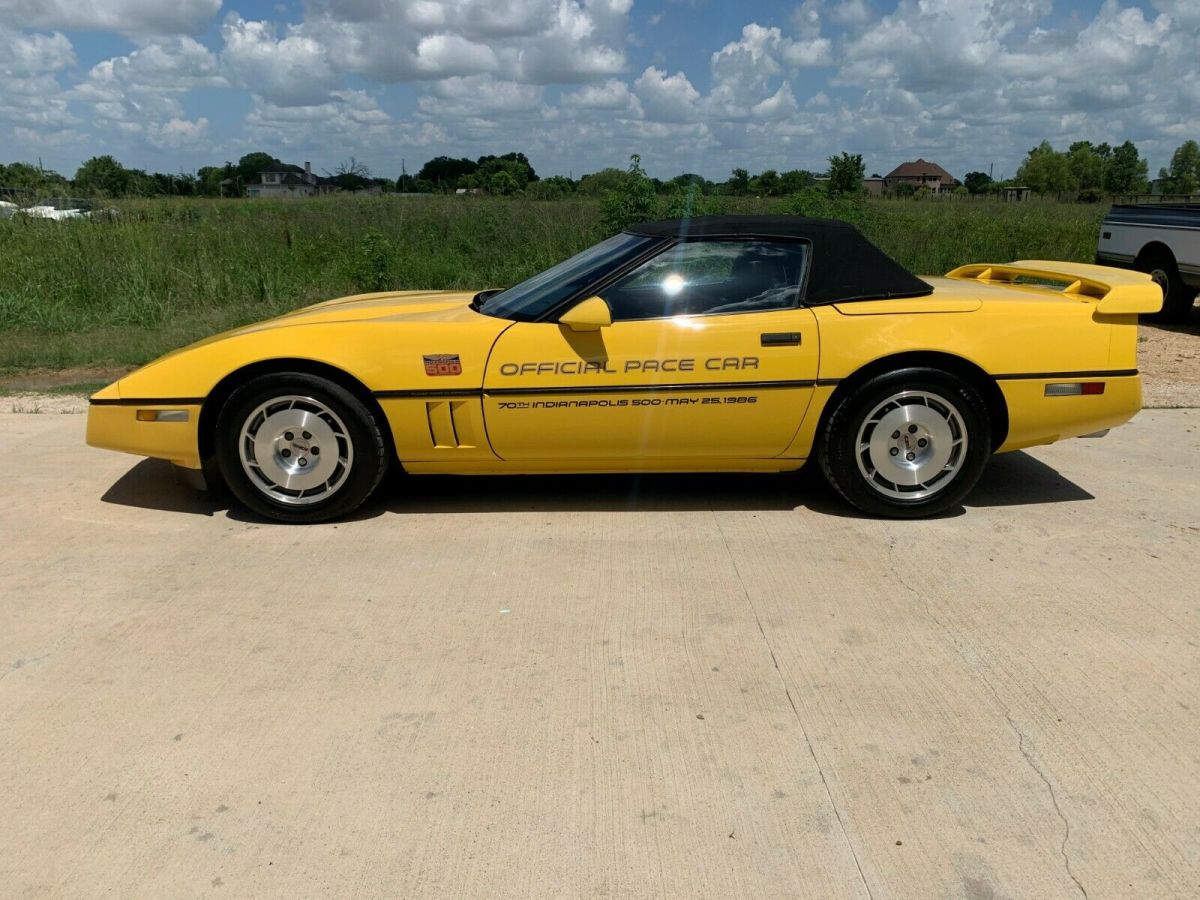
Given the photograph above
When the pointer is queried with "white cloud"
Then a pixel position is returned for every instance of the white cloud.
(851, 13)
(1184, 13)
(30, 94)
(815, 52)
(452, 54)
(667, 98)
(128, 17)
(345, 118)
(746, 73)
(22, 55)
(608, 95)
(780, 104)
(146, 86)
(288, 71)
(479, 95)
(806, 18)
(178, 133)
(536, 41)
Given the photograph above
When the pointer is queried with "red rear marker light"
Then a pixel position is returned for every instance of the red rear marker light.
(1093, 387)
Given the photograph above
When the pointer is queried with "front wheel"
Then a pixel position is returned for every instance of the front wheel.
(299, 448)
(906, 444)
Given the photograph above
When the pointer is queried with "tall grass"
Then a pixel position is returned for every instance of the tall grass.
(161, 273)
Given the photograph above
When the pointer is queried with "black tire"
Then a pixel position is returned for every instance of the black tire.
(950, 410)
(337, 418)
(1177, 296)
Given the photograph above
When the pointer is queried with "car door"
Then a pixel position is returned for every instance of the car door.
(708, 355)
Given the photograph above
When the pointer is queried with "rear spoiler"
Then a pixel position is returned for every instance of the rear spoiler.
(1115, 291)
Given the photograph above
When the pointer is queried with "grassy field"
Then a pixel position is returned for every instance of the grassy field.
(162, 273)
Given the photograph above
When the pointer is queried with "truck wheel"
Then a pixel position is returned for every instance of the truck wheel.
(1177, 296)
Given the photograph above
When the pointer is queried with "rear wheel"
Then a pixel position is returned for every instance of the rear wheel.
(1177, 296)
(298, 448)
(906, 444)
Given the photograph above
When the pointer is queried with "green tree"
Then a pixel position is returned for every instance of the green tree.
(33, 179)
(846, 172)
(599, 183)
(104, 176)
(1087, 168)
(1126, 171)
(794, 181)
(502, 183)
(738, 183)
(515, 164)
(767, 184)
(253, 163)
(691, 180)
(1046, 171)
(1183, 177)
(446, 173)
(553, 188)
(634, 200)
(977, 182)
(351, 175)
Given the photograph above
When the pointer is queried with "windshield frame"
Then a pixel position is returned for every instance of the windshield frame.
(646, 247)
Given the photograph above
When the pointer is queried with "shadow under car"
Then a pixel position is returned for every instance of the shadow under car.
(1011, 479)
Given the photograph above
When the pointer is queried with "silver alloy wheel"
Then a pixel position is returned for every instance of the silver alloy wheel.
(911, 445)
(295, 450)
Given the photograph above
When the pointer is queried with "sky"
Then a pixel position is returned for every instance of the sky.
(579, 85)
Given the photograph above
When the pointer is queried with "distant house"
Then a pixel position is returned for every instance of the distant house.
(873, 186)
(921, 174)
(288, 181)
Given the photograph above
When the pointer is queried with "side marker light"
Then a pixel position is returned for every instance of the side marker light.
(1075, 389)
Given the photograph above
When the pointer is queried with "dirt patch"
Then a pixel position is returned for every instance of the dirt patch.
(1169, 357)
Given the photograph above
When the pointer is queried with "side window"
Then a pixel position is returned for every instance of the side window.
(698, 278)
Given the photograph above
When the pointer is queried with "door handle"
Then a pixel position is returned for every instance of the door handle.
(780, 339)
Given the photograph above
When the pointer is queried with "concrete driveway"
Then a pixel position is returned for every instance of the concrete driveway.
(603, 687)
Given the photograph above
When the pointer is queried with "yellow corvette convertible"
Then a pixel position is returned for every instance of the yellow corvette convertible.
(726, 343)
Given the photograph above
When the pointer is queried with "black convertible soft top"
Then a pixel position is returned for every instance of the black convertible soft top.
(845, 265)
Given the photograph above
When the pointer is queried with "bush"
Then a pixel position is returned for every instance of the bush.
(373, 263)
(816, 203)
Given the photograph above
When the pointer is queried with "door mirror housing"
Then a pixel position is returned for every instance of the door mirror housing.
(591, 314)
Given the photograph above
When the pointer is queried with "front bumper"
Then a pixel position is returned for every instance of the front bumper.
(161, 430)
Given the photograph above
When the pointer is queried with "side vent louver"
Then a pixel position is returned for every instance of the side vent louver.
(449, 425)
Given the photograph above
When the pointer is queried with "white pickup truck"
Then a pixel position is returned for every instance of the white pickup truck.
(1161, 239)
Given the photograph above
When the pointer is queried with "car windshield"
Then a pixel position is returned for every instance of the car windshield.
(535, 296)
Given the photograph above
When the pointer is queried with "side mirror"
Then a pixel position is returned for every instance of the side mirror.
(591, 314)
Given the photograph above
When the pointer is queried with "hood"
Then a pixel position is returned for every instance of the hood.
(394, 306)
